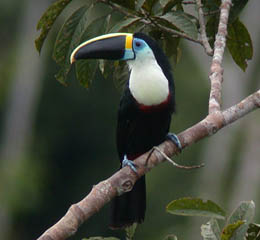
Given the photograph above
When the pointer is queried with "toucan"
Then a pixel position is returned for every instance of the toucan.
(145, 109)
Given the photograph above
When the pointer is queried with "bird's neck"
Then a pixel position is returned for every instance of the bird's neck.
(147, 83)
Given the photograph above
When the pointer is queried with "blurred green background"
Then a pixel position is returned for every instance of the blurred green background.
(57, 142)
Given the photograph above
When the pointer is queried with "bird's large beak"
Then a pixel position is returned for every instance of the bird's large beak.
(113, 46)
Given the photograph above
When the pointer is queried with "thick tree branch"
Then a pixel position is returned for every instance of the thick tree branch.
(216, 70)
(203, 34)
(123, 180)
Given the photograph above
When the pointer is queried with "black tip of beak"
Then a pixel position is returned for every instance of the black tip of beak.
(107, 48)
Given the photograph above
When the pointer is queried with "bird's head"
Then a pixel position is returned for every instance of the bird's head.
(149, 66)
(116, 46)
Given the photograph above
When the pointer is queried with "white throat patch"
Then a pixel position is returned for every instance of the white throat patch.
(147, 82)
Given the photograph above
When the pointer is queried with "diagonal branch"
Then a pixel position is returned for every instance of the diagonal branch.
(123, 180)
(216, 70)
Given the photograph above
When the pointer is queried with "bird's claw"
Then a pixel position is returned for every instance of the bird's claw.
(173, 137)
(129, 163)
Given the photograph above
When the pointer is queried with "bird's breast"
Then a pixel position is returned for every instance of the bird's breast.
(148, 84)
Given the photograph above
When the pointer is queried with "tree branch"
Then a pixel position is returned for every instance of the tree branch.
(123, 180)
(203, 34)
(216, 70)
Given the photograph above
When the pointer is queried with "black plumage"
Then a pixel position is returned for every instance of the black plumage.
(139, 128)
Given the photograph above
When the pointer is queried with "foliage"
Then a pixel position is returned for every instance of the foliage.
(166, 20)
(237, 226)
(195, 207)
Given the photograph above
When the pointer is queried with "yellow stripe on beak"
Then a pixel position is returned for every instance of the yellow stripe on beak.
(129, 41)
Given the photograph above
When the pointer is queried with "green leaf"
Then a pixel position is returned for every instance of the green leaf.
(231, 231)
(139, 4)
(253, 232)
(124, 24)
(237, 7)
(195, 207)
(167, 5)
(244, 212)
(149, 4)
(183, 22)
(210, 230)
(164, 3)
(47, 20)
(170, 237)
(73, 32)
(239, 44)
(120, 73)
(61, 52)
(86, 69)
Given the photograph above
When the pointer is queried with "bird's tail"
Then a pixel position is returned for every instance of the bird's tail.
(129, 207)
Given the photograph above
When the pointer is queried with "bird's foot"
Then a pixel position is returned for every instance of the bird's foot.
(129, 163)
(173, 137)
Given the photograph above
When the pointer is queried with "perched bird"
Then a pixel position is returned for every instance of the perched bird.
(145, 109)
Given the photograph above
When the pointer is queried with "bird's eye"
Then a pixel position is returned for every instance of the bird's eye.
(138, 44)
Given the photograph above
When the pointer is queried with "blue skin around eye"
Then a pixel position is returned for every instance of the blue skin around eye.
(141, 43)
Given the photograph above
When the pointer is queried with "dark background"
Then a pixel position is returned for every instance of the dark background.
(57, 142)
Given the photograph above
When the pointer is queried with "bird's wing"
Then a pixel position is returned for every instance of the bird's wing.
(126, 124)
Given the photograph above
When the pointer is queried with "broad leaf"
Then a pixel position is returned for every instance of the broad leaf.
(253, 232)
(195, 207)
(239, 44)
(237, 7)
(47, 20)
(86, 69)
(244, 212)
(120, 73)
(167, 5)
(183, 22)
(139, 4)
(149, 4)
(164, 3)
(61, 52)
(124, 24)
(210, 230)
(73, 33)
(231, 231)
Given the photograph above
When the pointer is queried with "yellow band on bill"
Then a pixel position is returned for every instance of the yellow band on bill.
(128, 41)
